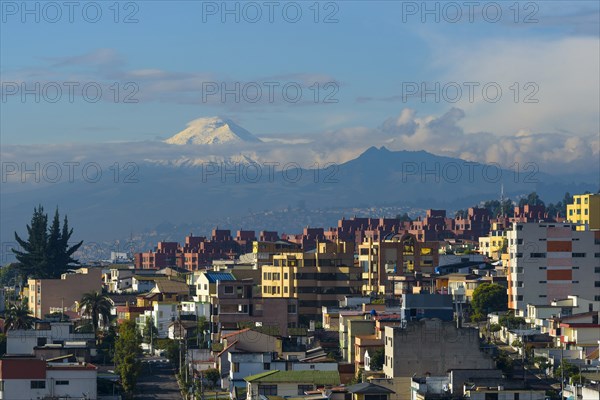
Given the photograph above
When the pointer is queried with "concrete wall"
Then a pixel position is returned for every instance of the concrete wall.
(430, 346)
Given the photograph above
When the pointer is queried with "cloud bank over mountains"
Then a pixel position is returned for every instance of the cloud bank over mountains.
(215, 139)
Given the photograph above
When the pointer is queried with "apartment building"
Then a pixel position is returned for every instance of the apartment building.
(585, 210)
(550, 261)
(53, 295)
(429, 346)
(199, 251)
(25, 378)
(396, 254)
(319, 277)
(62, 334)
(495, 243)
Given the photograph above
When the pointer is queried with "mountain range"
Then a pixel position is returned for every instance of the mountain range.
(225, 187)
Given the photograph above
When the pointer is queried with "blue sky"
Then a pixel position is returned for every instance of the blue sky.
(373, 51)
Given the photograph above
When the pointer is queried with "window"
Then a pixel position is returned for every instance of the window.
(516, 396)
(519, 241)
(228, 289)
(291, 309)
(38, 385)
(542, 282)
(491, 396)
(41, 341)
(542, 267)
(285, 289)
(578, 255)
(285, 275)
(267, 390)
(61, 383)
(236, 367)
(267, 366)
(302, 389)
(537, 255)
(597, 284)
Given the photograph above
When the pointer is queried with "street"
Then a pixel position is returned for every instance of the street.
(157, 381)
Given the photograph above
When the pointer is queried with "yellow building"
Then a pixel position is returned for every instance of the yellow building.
(317, 278)
(263, 252)
(585, 210)
(396, 254)
(493, 245)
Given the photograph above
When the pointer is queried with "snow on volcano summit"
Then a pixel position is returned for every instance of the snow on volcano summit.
(212, 130)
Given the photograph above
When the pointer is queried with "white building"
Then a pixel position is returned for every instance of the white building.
(551, 261)
(162, 314)
(25, 378)
(23, 341)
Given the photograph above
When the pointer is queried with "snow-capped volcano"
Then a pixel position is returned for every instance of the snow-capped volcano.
(212, 130)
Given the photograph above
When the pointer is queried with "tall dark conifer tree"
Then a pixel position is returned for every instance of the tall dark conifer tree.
(46, 252)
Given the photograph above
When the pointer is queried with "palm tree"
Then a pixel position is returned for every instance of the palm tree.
(97, 306)
(17, 317)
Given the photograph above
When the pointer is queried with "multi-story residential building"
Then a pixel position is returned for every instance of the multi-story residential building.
(55, 333)
(585, 210)
(25, 378)
(55, 295)
(233, 301)
(199, 251)
(481, 384)
(396, 254)
(429, 346)
(317, 278)
(494, 244)
(263, 252)
(549, 261)
(118, 279)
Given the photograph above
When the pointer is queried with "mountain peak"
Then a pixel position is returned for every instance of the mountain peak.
(212, 130)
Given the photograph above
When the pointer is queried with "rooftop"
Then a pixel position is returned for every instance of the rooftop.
(312, 376)
(213, 277)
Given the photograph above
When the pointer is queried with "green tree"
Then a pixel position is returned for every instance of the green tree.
(127, 353)
(17, 317)
(9, 275)
(489, 297)
(150, 332)
(504, 363)
(212, 375)
(495, 328)
(509, 320)
(46, 252)
(201, 327)
(532, 199)
(571, 371)
(33, 260)
(542, 363)
(376, 362)
(96, 306)
(404, 217)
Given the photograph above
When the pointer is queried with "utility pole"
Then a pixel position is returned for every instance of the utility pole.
(562, 373)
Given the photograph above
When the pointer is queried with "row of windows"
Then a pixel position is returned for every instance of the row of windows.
(543, 255)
